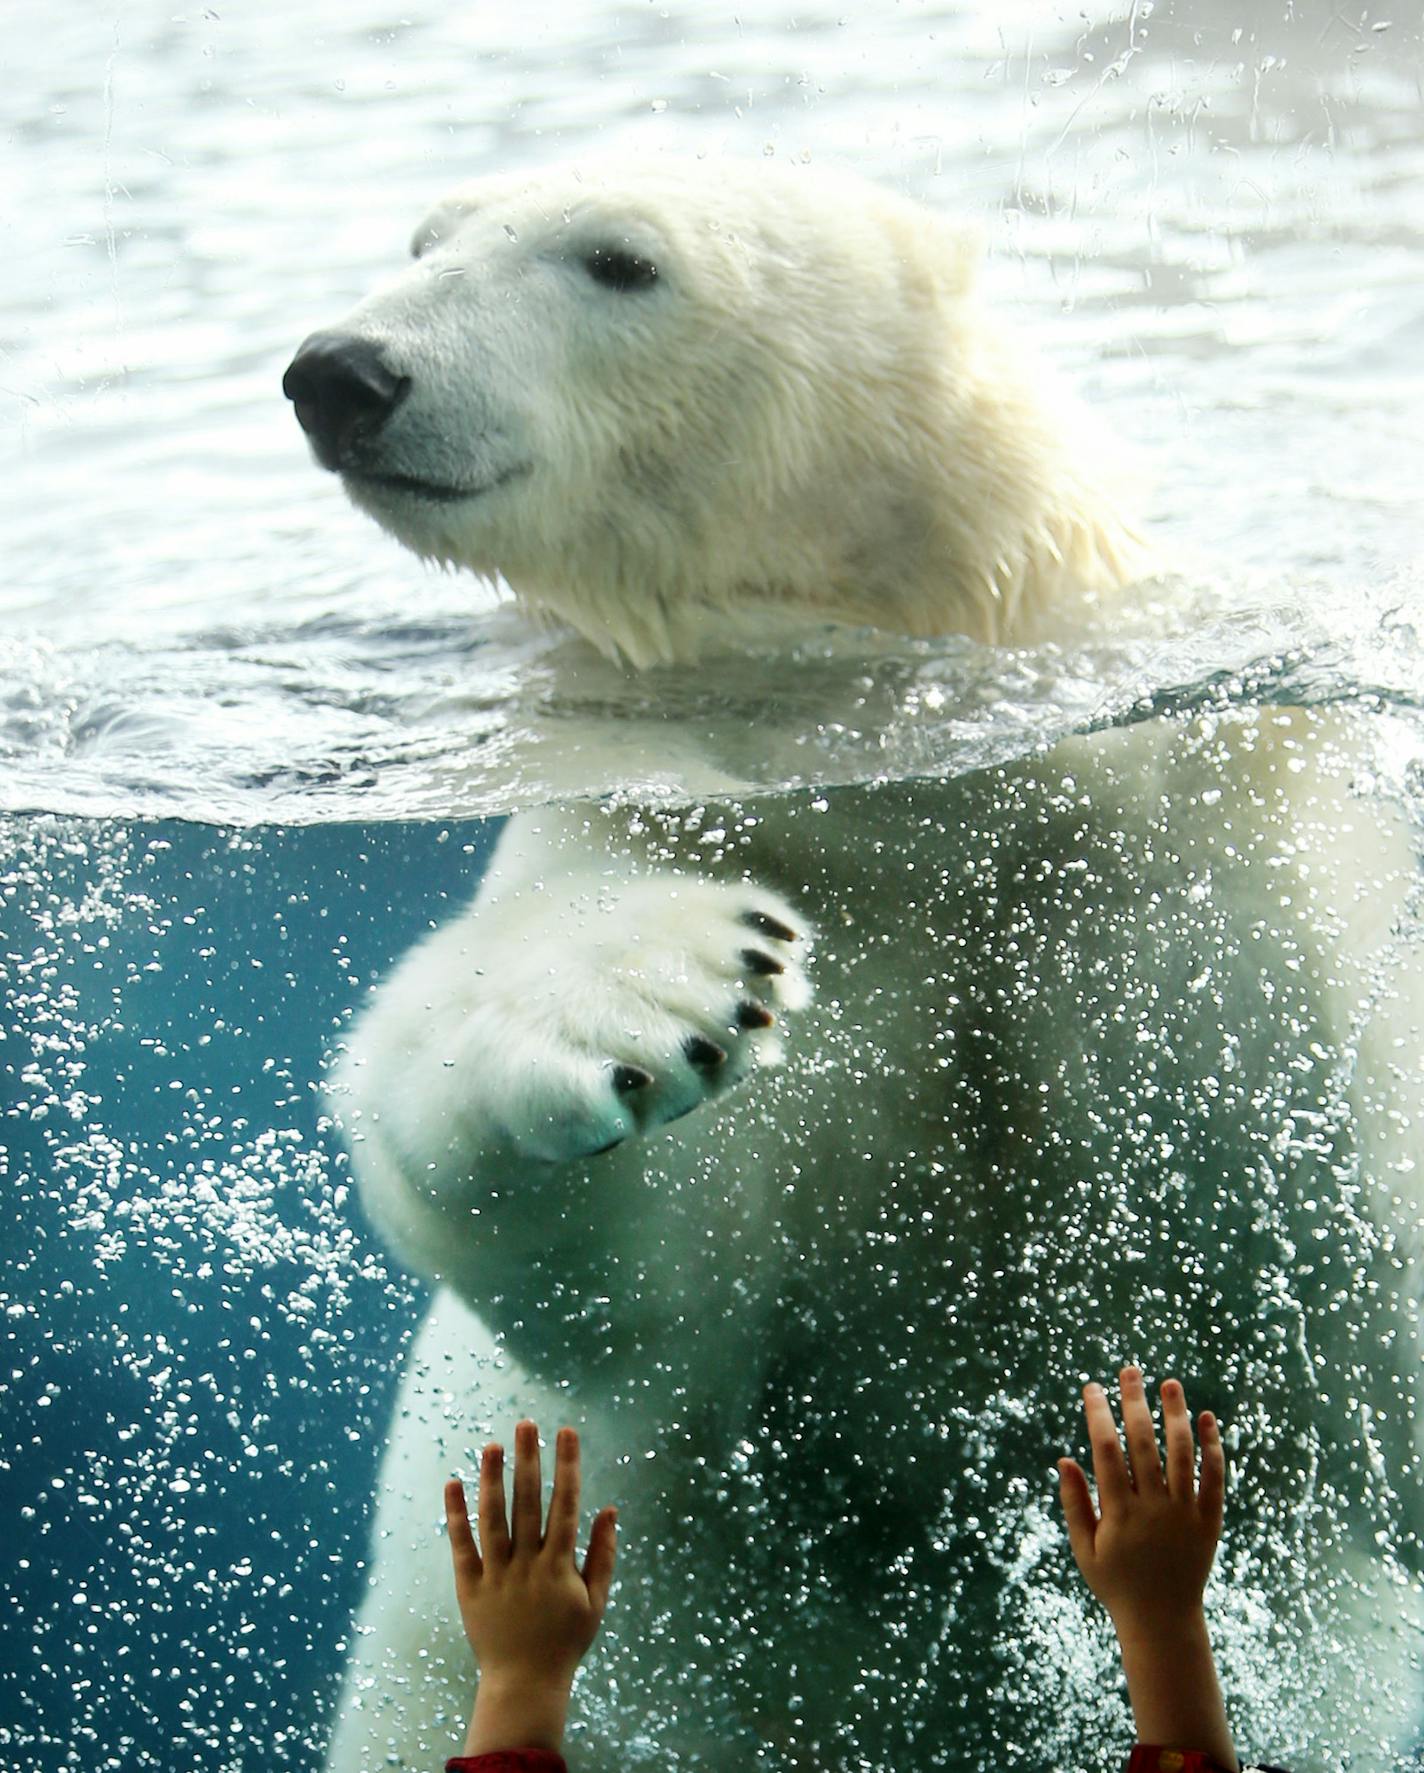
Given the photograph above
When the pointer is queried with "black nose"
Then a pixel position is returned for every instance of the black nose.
(343, 390)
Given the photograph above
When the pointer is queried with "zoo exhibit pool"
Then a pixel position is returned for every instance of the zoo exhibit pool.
(251, 750)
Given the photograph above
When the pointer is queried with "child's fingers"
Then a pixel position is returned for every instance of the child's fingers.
(562, 1534)
(463, 1554)
(1177, 1425)
(1109, 1466)
(527, 1520)
(1211, 1497)
(1139, 1429)
(598, 1563)
(1078, 1515)
(494, 1531)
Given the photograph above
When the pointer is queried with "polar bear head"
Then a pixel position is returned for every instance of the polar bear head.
(651, 399)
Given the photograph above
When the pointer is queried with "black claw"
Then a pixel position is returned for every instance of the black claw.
(704, 1054)
(628, 1078)
(767, 925)
(756, 962)
(753, 1015)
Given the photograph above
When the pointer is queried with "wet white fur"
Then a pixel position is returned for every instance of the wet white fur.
(812, 407)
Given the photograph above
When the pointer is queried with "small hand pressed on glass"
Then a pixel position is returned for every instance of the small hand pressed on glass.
(1146, 1551)
(529, 1610)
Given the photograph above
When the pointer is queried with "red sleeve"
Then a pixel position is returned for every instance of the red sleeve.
(509, 1760)
(1146, 1759)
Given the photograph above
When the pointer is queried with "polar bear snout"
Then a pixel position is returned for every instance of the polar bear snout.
(343, 391)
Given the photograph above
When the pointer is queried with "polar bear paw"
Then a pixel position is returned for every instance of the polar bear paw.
(628, 1009)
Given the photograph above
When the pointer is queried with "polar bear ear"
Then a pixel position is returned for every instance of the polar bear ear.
(940, 258)
(440, 224)
(958, 249)
(973, 243)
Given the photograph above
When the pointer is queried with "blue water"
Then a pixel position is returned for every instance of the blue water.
(194, 1401)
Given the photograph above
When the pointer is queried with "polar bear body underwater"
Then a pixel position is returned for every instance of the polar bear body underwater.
(1109, 1053)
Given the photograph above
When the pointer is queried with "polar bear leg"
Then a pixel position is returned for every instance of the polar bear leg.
(410, 1678)
(562, 1015)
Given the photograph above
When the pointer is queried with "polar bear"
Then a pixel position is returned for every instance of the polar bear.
(1112, 1052)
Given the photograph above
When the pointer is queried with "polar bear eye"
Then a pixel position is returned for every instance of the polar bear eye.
(620, 270)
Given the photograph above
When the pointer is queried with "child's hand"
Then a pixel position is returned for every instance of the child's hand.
(1147, 1555)
(528, 1611)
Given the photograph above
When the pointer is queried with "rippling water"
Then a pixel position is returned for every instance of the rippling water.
(1208, 214)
